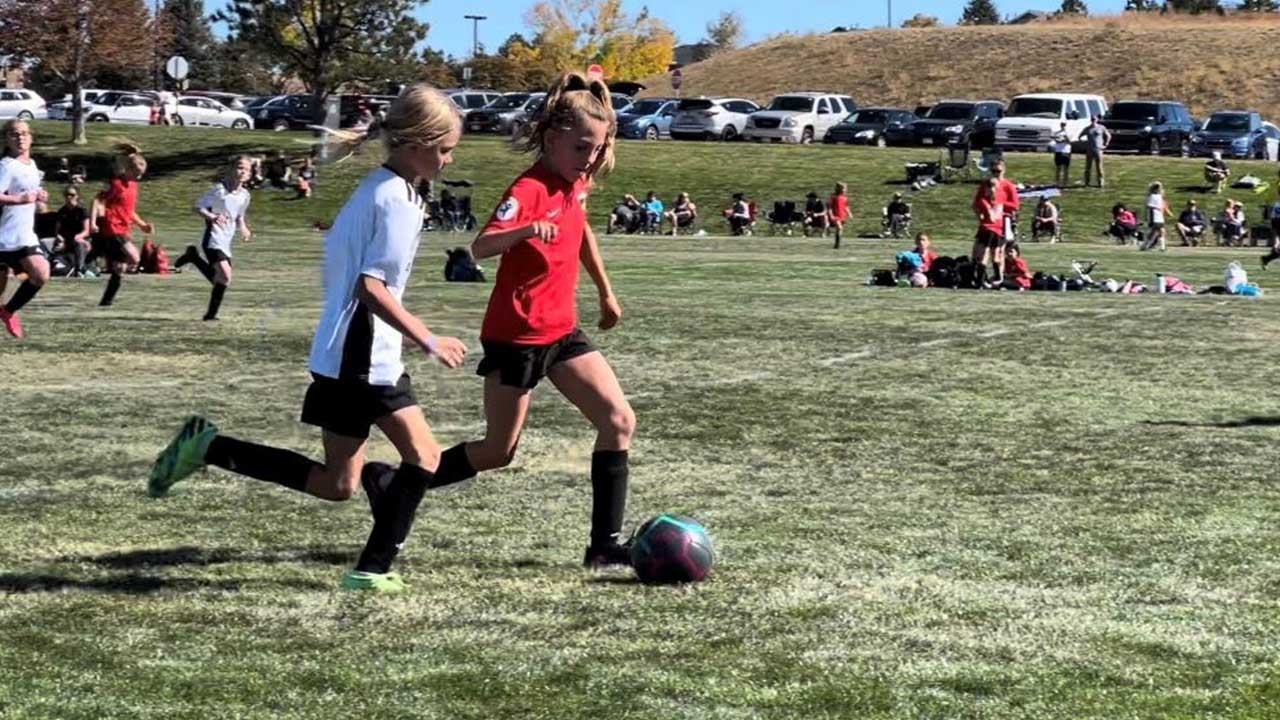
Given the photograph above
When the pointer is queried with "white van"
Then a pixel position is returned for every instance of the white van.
(1031, 120)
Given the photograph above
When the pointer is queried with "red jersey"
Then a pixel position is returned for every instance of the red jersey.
(990, 214)
(1016, 269)
(534, 300)
(1006, 195)
(839, 205)
(120, 202)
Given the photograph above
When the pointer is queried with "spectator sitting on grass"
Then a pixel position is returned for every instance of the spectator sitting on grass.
(739, 215)
(1017, 276)
(256, 178)
(625, 216)
(1191, 225)
(1216, 172)
(897, 215)
(306, 178)
(278, 172)
(682, 214)
(923, 250)
(815, 214)
(1124, 224)
(653, 210)
(1046, 220)
(1230, 226)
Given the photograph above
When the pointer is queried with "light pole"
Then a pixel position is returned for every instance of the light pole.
(475, 33)
(889, 3)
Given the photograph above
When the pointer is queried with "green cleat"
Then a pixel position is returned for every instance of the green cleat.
(183, 456)
(376, 582)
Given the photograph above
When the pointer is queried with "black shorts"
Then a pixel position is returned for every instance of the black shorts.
(13, 258)
(111, 247)
(212, 254)
(989, 238)
(1062, 159)
(350, 407)
(523, 366)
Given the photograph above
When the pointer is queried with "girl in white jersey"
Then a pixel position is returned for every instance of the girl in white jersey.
(20, 192)
(224, 209)
(359, 378)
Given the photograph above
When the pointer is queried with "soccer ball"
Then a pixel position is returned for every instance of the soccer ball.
(670, 549)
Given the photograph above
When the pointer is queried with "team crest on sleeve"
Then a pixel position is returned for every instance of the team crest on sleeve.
(508, 209)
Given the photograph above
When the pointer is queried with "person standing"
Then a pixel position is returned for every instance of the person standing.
(1097, 138)
(1061, 147)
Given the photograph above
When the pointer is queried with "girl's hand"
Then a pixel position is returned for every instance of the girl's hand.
(30, 197)
(544, 231)
(448, 350)
(610, 312)
(147, 227)
(246, 235)
(221, 220)
(42, 195)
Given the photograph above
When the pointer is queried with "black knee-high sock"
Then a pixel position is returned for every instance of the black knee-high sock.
(1270, 258)
(979, 275)
(215, 301)
(608, 496)
(21, 296)
(260, 462)
(455, 467)
(113, 287)
(394, 518)
(203, 266)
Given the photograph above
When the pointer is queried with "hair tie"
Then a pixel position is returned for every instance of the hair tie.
(595, 72)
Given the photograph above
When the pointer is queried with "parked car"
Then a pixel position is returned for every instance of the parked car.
(959, 121)
(868, 126)
(194, 110)
(231, 101)
(798, 117)
(285, 112)
(1154, 127)
(648, 119)
(1234, 133)
(121, 107)
(620, 103)
(717, 118)
(503, 115)
(61, 109)
(22, 104)
(469, 101)
(1031, 120)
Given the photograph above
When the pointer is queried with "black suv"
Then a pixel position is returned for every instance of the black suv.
(286, 112)
(959, 122)
(1155, 127)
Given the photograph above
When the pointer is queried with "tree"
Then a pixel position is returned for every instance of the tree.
(74, 40)
(241, 66)
(1195, 7)
(187, 26)
(980, 12)
(920, 20)
(1073, 7)
(329, 43)
(1259, 5)
(572, 34)
(726, 32)
(1141, 5)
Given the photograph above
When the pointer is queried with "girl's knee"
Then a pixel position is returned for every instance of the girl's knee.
(488, 455)
(338, 485)
(620, 423)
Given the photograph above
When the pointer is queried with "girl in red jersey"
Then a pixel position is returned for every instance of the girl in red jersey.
(530, 328)
(990, 212)
(119, 215)
(838, 210)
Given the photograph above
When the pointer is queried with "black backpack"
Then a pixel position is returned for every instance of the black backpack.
(461, 267)
(942, 273)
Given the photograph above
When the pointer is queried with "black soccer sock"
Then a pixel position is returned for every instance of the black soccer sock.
(608, 496)
(455, 467)
(261, 462)
(203, 266)
(1270, 258)
(21, 296)
(215, 301)
(979, 275)
(394, 518)
(113, 287)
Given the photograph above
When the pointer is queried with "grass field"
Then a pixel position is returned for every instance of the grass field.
(927, 504)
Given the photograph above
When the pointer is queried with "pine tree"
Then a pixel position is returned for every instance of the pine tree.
(1073, 7)
(190, 36)
(1141, 5)
(1260, 5)
(980, 12)
(1195, 7)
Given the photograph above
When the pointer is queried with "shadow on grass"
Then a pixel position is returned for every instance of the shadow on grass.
(614, 580)
(135, 584)
(202, 557)
(201, 159)
(1201, 189)
(1254, 421)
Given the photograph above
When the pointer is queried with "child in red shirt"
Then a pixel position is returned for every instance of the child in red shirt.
(838, 209)
(1017, 276)
(923, 248)
(530, 328)
(990, 235)
(119, 214)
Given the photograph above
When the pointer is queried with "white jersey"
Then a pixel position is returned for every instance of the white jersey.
(376, 234)
(233, 206)
(18, 222)
(1155, 209)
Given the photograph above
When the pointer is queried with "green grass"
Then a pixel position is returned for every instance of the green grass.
(928, 504)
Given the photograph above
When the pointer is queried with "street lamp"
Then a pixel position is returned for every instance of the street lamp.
(475, 32)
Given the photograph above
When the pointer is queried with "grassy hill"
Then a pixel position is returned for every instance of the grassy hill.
(1210, 64)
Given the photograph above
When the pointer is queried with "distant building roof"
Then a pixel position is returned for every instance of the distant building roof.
(1032, 16)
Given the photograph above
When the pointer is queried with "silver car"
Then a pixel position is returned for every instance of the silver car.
(711, 118)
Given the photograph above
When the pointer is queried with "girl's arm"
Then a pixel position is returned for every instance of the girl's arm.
(374, 294)
(246, 234)
(589, 255)
(500, 241)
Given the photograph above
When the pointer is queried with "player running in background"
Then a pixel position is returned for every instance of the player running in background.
(119, 204)
(20, 192)
(224, 209)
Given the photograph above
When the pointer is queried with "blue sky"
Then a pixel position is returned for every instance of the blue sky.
(451, 33)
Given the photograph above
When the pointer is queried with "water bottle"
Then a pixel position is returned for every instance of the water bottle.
(1160, 288)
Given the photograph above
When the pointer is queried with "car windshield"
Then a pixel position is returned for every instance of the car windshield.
(619, 101)
(951, 112)
(1035, 107)
(695, 104)
(791, 103)
(509, 102)
(646, 107)
(870, 117)
(1134, 111)
(1231, 122)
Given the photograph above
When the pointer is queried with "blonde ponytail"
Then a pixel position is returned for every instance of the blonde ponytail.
(572, 99)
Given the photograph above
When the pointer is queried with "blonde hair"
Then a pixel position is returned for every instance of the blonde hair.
(128, 157)
(8, 128)
(571, 100)
(1156, 187)
(230, 169)
(422, 117)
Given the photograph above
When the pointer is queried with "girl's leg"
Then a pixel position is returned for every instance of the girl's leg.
(589, 383)
(37, 270)
(117, 267)
(221, 280)
(335, 480)
(505, 410)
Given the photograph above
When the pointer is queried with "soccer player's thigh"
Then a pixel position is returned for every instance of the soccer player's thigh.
(588, 381)
(343, 461)
(408, 430)
(222, 272)
(506, 408)
(129, 252)
(37, 269)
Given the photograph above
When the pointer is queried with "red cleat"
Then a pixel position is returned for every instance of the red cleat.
(11, 323)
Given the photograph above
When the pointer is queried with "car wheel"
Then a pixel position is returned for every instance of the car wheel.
(280, 125)
(1153, 148)
(806, 137)
(881, 142)
(240, 125)
(651, 132)
(177, 120)
(26, 116)
(98, 118)
(730, 133)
